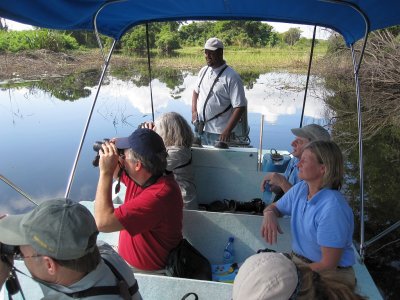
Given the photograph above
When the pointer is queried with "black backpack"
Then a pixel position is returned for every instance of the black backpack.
(185, 261)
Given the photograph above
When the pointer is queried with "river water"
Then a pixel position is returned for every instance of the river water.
(42, 132)
(42, 123)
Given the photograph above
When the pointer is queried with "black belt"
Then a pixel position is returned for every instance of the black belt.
(309, 261)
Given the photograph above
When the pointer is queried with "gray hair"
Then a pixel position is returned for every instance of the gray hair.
(156, 164)
(328, 153)
(174, 130)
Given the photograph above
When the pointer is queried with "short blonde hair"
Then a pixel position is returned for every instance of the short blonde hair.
(328, 153)
(174, 130)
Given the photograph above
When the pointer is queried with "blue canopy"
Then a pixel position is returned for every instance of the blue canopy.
(118, 16)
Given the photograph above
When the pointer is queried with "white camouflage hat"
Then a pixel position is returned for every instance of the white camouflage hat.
(313, 132)
(265, 276)
(213, 44)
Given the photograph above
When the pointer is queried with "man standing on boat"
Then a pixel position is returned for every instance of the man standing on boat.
(218, 100)
(150, 219)
(280, 184)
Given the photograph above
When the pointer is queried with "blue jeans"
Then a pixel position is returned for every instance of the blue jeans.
(208, 138)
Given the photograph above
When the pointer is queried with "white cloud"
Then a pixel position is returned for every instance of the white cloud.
(17, 26)
(307, 30)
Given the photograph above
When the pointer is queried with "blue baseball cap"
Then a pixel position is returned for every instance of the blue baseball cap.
(143, 141)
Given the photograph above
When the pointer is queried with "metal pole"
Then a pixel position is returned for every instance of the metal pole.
(72, 174)
(7, 181)
(149, 67)
(261, 138)
(360, 154)
(308, 75)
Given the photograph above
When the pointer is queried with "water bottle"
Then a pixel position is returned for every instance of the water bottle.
(229, 253)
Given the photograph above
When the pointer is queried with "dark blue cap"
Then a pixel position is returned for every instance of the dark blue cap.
(143, 141)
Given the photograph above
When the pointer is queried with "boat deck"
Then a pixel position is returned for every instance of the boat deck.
(220, 174)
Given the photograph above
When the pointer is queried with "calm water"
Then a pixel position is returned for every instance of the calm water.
(42, 132)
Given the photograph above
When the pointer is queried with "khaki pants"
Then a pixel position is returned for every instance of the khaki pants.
(347, 274)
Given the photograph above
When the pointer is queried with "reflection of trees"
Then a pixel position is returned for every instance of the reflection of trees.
(249, 78)
(71, 87)
(139, 75)
(380, 79)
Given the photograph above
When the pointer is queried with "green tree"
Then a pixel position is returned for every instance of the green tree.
(195, 33)
(167, 41)
(292, 36)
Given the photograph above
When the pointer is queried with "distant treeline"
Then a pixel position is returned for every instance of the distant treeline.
(163, 36)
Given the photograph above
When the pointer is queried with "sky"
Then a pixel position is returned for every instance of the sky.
(307, 31)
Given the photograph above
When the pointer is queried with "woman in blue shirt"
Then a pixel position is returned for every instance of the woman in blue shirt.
(322, 222)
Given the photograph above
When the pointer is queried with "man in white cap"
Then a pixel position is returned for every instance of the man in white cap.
(280, 184)
(218, 100)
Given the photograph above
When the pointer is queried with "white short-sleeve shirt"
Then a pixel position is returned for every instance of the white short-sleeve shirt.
(228, 90)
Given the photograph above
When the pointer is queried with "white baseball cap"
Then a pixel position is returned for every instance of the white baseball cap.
(213, 44)
(265, 276)
(313, 132)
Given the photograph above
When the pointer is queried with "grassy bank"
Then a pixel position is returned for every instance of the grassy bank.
(253, 59)
(45, 63)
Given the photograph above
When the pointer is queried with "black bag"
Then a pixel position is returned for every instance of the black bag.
(185, 261)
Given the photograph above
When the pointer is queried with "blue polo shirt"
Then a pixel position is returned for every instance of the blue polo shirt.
(326, 220)
(292, 170)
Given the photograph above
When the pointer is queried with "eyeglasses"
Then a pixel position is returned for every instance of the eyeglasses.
(20, 256)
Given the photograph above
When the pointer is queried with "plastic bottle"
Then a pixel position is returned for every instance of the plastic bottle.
(229, 253)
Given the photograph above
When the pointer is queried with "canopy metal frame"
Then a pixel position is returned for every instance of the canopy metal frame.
(356, 67)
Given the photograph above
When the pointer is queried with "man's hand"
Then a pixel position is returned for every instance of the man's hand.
(194, 116)
(108, 159)
(264, 182)
(195, 96)
(225, 136)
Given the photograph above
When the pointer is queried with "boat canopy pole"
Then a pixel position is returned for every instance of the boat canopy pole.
(261, 138)
(106, 62)
(360, 153)
(356, 67)
(105, 66)
(382, 234)
(9, 182)
(96, 31)
(308, 76)
(149, 67)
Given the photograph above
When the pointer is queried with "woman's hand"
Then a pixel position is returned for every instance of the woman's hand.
(148, 125)
(270, 225)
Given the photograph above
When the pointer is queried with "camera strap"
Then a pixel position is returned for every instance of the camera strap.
(118, 185)
(209, 94)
